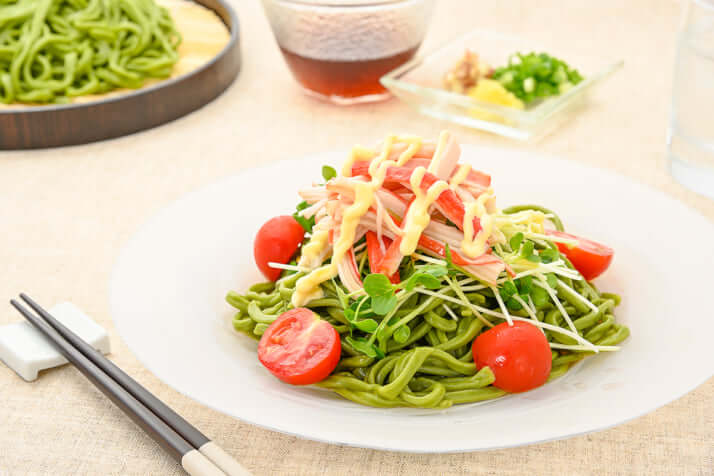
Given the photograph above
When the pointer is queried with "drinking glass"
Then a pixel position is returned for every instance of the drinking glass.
(690, 140)
(338, 49)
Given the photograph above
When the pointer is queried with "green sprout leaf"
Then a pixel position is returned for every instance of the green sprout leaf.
(552, 280)
(366, 325)
(306, 223)
(549, 255)
(422, 279)
(328, 172)
(378, 287)
(428, 276)
(381, 305)
(507, 290)
(513, 304)
(533, 258)
(525, 285)
(361, 344)
(539, 297)
(516, 241)
(527, 249)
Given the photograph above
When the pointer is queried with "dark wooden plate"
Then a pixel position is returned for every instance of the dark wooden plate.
(35, 127)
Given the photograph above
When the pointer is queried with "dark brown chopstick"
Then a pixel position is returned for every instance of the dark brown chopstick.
(187, 431)
(193, 461)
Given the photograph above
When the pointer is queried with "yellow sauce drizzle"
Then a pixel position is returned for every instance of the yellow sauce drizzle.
(473, 247)
(311, 251)
(459, 176)
(418, 214)
(357, 153)
(307, 287)
(440, 152)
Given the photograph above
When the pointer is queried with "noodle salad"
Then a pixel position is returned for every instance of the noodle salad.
(399, 282)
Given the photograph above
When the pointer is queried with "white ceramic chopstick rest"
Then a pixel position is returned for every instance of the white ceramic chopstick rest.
(26, 351)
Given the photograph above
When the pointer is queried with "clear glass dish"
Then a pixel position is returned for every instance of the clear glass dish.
(419, 83)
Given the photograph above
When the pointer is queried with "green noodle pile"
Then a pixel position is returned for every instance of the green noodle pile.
(53, 50)
(431, 364)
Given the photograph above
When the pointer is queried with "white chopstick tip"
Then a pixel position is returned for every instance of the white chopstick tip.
(196, 464)
(223, 460)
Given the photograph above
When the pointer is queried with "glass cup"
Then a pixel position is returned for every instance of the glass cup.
(690, 140)
(338, 50)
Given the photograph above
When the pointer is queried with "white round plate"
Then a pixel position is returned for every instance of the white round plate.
(170, 279)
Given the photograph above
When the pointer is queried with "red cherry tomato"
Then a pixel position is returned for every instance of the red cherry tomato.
(518, 355)
(591, 259)
(277, 241)
(299, 347)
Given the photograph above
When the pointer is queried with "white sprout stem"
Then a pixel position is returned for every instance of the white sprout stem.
(475, 287)
(359, 248)
(535, 316)
(542, 325)
(463, 297)
(525, 305)
(466, 303)
(557, 267)
(602, 348)
(579, 296)
(465, 281)
(450, 312)
(562, 310)
(502, 305)
(565, 272)
(429, 259)
(552, 238)
(288, 267)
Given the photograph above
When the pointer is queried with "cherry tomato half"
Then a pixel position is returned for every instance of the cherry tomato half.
(299, 347)
(518, 355)
(591, 259)
(277, 241)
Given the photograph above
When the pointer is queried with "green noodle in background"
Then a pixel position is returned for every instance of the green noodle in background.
(53, 50)
(430, 364)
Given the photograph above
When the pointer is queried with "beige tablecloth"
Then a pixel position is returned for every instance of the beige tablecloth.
(65, 213)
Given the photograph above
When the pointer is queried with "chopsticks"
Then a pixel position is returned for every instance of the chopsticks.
(194, 451)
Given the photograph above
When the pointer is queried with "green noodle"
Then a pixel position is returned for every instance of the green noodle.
(53, 50)
(433, 367)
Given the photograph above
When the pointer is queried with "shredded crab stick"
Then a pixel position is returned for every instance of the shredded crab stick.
(308, 287)
(376, 253)
(431, 187)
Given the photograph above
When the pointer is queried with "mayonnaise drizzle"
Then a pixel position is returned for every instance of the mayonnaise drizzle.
(312, 250)
(440, 152)
(459, 177)
(418, 213)
(307, 287)
(357, 153)
(473, 247)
